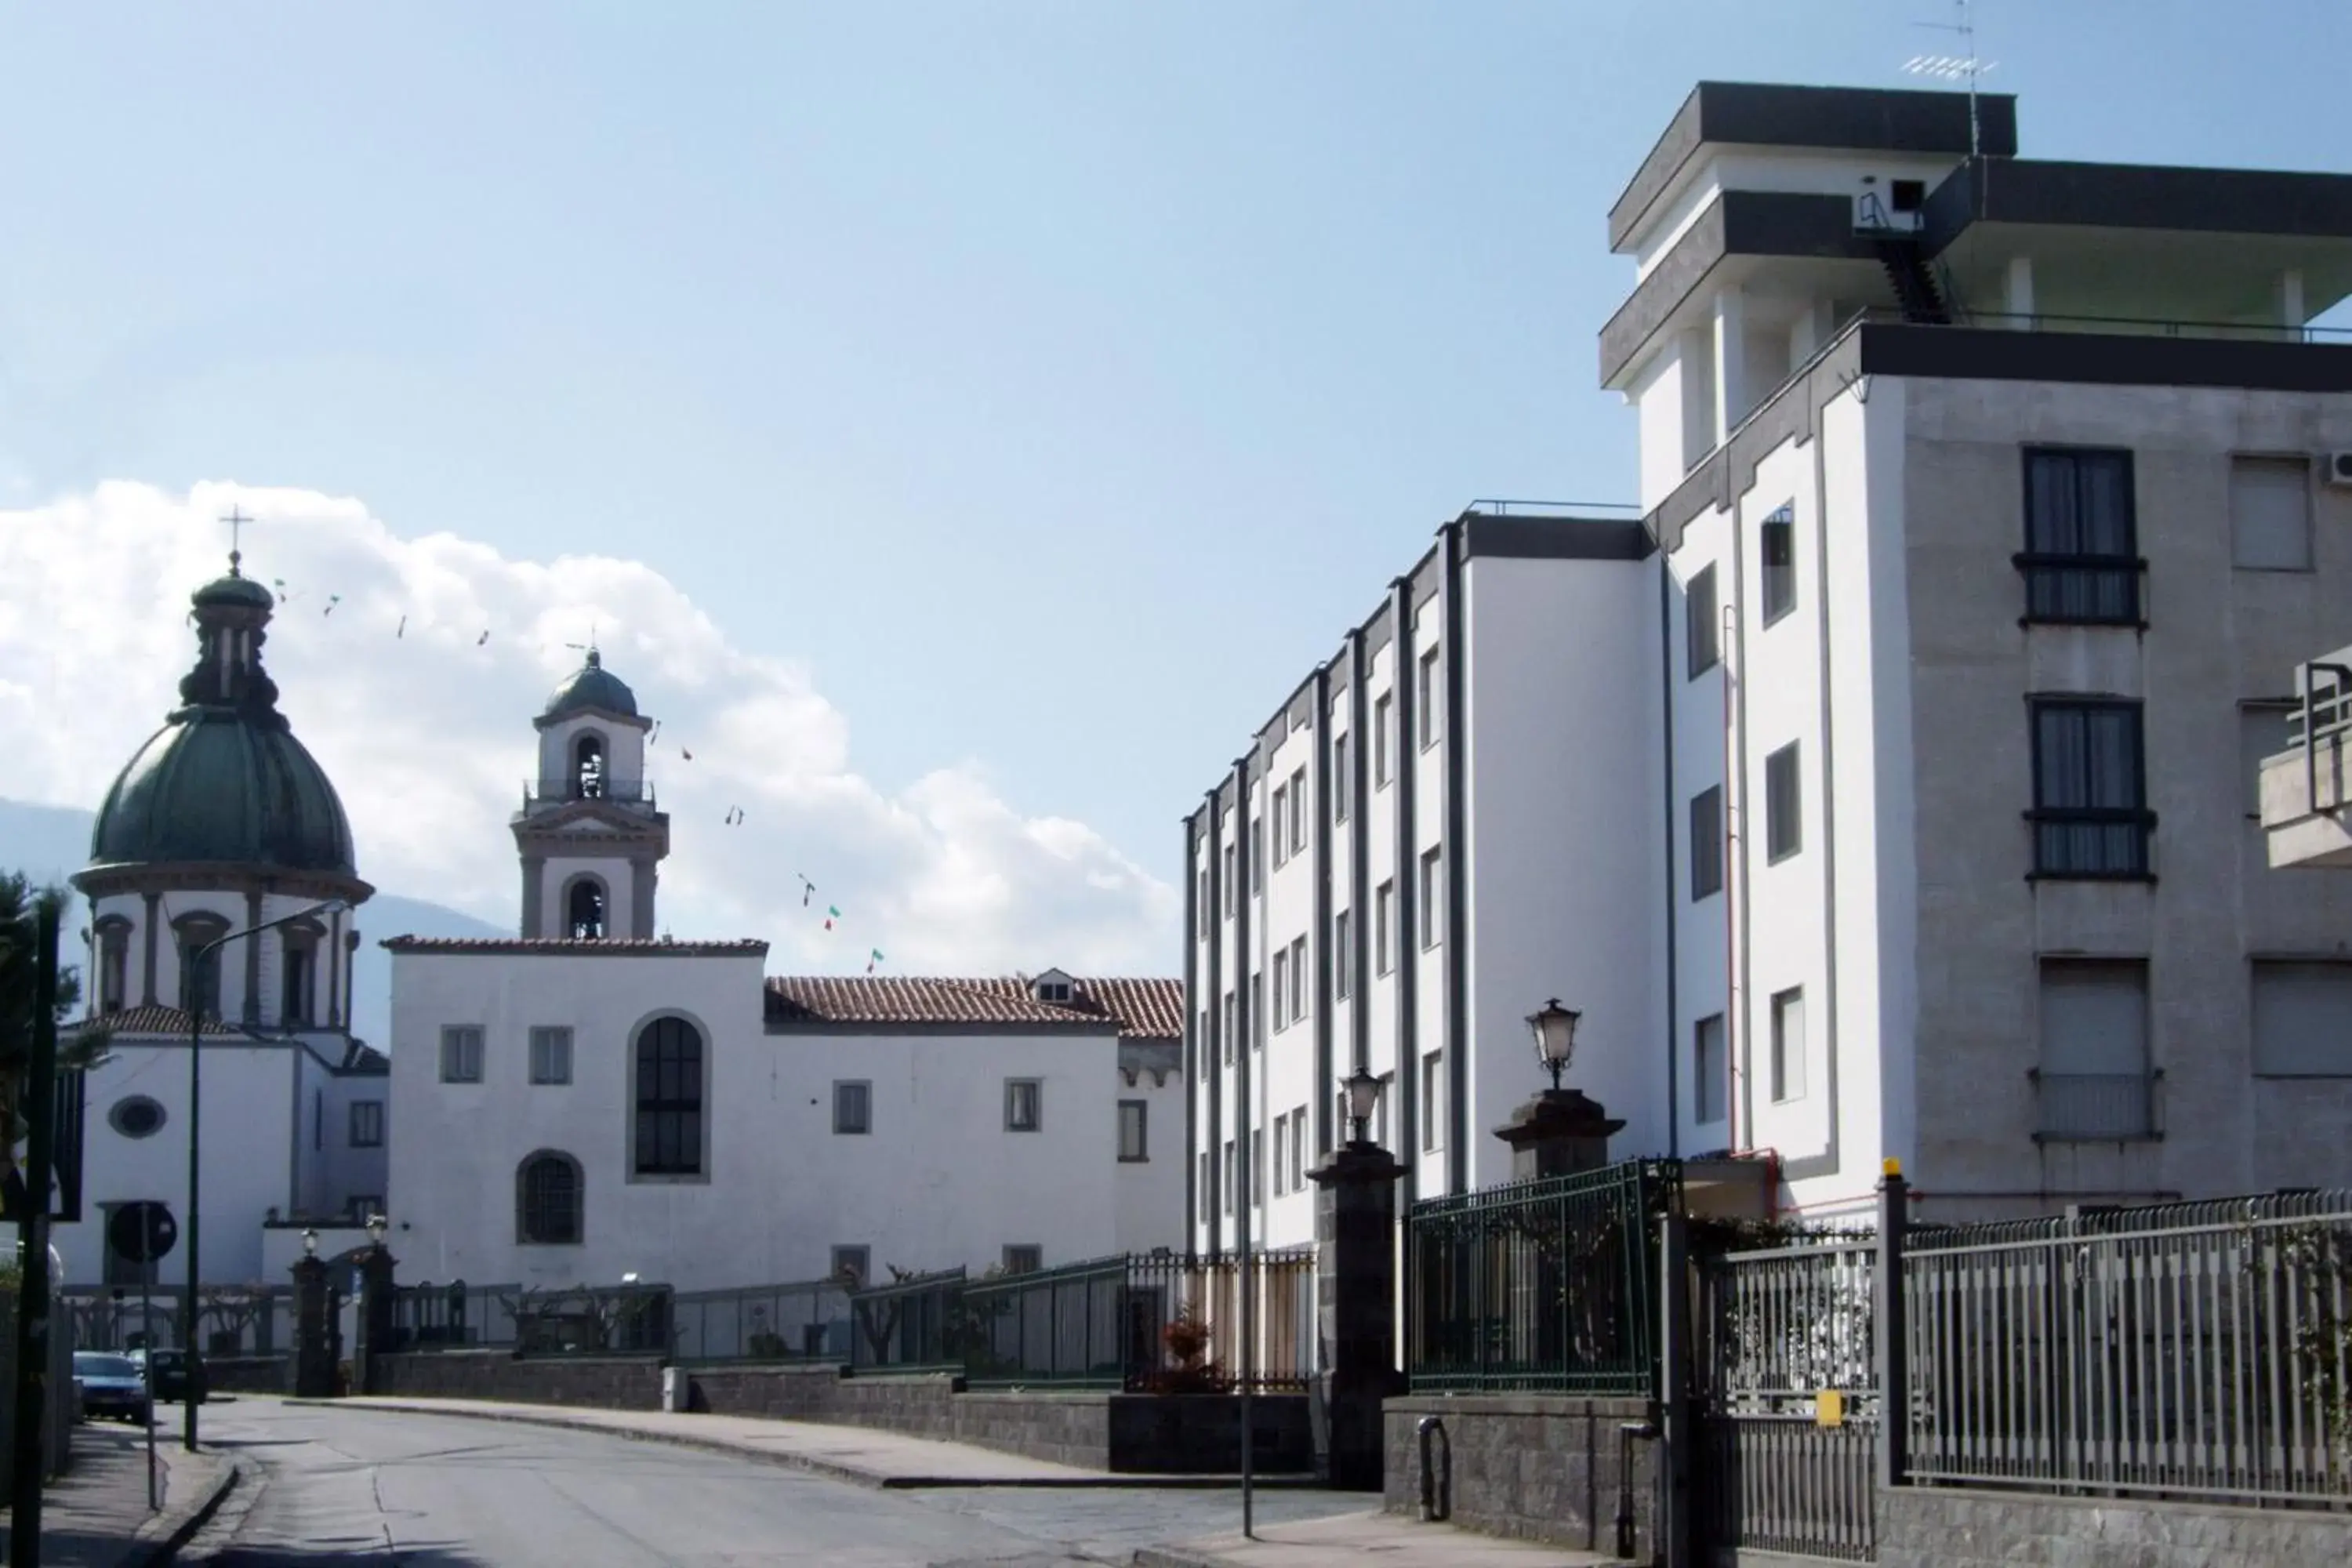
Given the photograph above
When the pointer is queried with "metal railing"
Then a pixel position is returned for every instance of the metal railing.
(1203, 1291)
(909, 1325)
(2095, 1106)
(1066, 1325)
(805, 1322)
(1778, 1335)
(532, 1320)
(230, 1321)
(2119, 326)
(1549, 1284)
(628, 792)
(2190, 1350)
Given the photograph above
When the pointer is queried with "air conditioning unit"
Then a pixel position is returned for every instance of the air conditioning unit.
(2336, 469)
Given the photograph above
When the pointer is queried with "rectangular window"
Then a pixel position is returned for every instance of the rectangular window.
(1229, 1175)
(1429, 699)
(1784, 829)
(2089, 811)
(1779, 540)
(1024, 1258)
(853, 1108)
(364, 1207)
(1432, 1101)
(551, 1055)
(2303, 1020)
(2082, 560)
(853, 1264)
(1257, 1010)
(1298, 1148)
(1384, 926)
(367, 1123)
(1432, 896)
(1706, 842)
(1383, 726)
(1789, 1044)
(1257, 855)
(1709, 1085)
(1201, 1179)
(1281, 1147)
(1702, 634)
(1233, 1027)
(1342, 781)
(2262, 732)
(294, 1002)
(1298, 812)
(1257, 1168)
(461, 1053)
(2270, 514)
(1232, 881)
(1024, 1110)
(1297, 979)
(2094, 1081)
(1281, 814)
(1343, 951)
(1281, 984)
(1133, 1148)
(1202, 900)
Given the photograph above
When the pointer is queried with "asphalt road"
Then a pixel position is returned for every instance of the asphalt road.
(430, 1491)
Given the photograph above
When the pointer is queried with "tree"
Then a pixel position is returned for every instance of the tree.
(21, 905)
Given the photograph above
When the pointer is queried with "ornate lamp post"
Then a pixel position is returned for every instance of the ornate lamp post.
(1558, 1131)
(1554, 1027)
(1363, 1092)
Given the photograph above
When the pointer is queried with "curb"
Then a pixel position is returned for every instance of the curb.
(834, 1470)
(158, 1550)
(1175, 1557)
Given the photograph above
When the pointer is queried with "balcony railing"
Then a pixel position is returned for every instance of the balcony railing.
(556, 792)
(2096, 1108)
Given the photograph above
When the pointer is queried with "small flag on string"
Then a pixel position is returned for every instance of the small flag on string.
(401, 630)
(686, 754)
(332, 600)
(831, 915)
(483, 638)
(734, 817)
(654, 733)
(808, 888)
(873, 957)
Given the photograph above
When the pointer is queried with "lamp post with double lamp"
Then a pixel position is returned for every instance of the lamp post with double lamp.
(190, 977)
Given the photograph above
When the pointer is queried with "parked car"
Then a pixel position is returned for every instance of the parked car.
(113, 1385)
(176, 1372)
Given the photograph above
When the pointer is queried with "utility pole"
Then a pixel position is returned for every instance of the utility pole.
(40, 1109)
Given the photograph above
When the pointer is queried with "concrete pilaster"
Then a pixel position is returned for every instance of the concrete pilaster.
(1355, 1307)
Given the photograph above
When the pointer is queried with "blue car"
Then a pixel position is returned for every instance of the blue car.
(112, 1385)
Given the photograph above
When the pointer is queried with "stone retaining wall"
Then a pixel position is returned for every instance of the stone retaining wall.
(1535, 1467)
(1949, 1527)
(599, 1382)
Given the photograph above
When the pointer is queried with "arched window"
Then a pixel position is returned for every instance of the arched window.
(200, 989)
(299, 973)
(585, 910)
(669, 1100)
(113, 963)
(548, 1191)
(588, 768)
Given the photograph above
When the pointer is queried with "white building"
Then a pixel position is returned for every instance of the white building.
(1898, 804)
(588, 1100)
(221, 823)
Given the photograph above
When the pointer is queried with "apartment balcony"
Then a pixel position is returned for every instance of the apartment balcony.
(2096, 1108)
(2306, 796)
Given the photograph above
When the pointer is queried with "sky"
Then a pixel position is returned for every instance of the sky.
(981, 416)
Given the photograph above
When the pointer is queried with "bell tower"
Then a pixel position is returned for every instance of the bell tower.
(589, 834)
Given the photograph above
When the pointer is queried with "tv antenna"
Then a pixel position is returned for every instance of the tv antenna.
(1965, 68)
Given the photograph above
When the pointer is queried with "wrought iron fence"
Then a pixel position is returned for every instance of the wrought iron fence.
(1549, 1284)
(1787, 1388)
(531, 1319)
(1065, 1325)
(807, 1321)
(912, 1324)
(1203, 1291)
(231, 1320)
(2190, 1350)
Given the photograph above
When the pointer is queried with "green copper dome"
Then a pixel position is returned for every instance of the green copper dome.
(592, 686)
(224, 780)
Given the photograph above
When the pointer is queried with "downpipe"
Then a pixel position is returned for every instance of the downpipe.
(1628, 1536)
(1436, 1469)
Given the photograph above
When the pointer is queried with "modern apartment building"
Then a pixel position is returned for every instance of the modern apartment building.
(1907, 763)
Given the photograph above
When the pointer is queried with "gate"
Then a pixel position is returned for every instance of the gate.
(1786, 1393)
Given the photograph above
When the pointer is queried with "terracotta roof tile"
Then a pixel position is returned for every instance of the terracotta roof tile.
(1137, 1009)
(654, 947)
(153, 1021)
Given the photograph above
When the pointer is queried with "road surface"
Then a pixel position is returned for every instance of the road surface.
(344, 1486)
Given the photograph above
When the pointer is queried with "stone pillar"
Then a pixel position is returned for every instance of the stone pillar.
(377, 1333)
(1558, 1132)
(313, 1364)
(1355, 1307)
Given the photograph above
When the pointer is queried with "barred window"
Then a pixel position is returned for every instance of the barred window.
(669, 1100)
(548, 1200)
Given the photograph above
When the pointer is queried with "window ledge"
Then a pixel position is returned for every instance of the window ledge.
(668, 1179)
(2145, 878)
(2098, 1137)
(1134, 1159)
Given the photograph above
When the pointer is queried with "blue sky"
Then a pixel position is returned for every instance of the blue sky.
(1057, 380)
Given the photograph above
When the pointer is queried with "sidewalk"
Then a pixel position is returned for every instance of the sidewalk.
(862, 1455)
(1344, 1541)
(96, 1515)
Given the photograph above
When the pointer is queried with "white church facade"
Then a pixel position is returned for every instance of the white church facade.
(589, 1099)
(221, 825)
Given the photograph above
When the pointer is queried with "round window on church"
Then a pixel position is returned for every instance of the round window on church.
(136, 1116)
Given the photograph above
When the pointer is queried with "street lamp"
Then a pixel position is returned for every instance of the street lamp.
(377, 1226)
(1554, 1027)
(1363, 1098)
(194, 969)
(311, 1243)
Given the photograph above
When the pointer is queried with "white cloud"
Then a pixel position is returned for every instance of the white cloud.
(427, 735)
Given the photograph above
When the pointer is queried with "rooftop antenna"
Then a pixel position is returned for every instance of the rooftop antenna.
(1956, 68)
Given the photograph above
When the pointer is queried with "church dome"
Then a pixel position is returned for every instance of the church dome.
(225, 782)
(592, 686)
